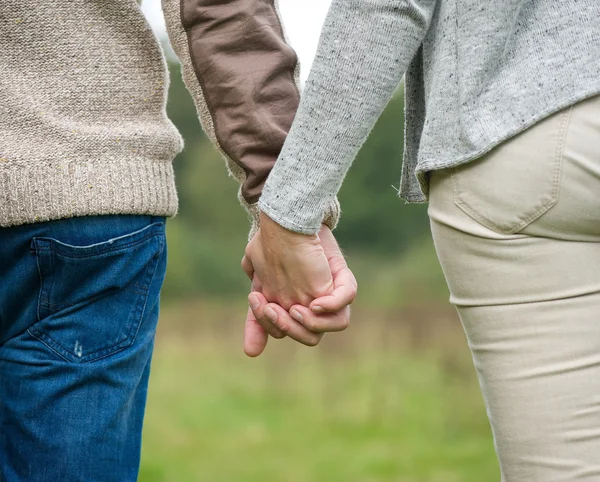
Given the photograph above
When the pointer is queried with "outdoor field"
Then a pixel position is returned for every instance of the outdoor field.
(390, 400)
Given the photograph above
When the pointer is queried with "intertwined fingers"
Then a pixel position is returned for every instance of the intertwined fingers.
(273, 315)
(321, 322)
(258, 304)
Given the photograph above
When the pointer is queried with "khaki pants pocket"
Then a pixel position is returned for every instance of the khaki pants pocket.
(516, 182)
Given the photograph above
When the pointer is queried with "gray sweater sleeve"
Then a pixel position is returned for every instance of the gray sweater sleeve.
(364, 50)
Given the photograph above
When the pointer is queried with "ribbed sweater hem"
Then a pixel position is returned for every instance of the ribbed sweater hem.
(44, 191)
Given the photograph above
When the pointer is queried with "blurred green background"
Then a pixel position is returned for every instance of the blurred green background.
(394, 398)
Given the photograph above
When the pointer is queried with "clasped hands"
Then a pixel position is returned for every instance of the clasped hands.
(302, 287)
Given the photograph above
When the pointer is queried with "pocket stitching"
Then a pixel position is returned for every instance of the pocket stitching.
(44, 297)
(101, 251)
(51, 307)
(41, 340)
(131, 335)
(128, 340)
(554, 195)
(39, 303)
(143, 310)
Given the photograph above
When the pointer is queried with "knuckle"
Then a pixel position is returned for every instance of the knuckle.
(337, 261)
(309, 323)
(283, 328)
(353, 292)
(344, 323)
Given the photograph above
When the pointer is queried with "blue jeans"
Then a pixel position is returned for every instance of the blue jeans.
(79, 302)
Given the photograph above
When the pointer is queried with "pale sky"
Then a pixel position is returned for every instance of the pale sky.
(303, 20)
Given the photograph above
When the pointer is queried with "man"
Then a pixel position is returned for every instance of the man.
(86, 183)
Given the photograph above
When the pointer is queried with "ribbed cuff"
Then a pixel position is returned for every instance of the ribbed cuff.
(330, 218)
(254, 213)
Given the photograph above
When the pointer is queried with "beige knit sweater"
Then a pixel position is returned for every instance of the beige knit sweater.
(83, 86)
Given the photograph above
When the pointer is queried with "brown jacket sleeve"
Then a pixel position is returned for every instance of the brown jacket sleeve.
(243, 77)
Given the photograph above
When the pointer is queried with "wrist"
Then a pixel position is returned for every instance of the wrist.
(273, 229)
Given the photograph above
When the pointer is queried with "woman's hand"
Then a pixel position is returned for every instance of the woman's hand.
(324, 305)
(292, 267)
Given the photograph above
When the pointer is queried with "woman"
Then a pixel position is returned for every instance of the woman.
(503, 140)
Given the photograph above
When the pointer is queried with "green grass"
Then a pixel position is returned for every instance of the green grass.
(373, 404)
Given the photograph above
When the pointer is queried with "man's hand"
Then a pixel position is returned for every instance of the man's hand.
(306, 275)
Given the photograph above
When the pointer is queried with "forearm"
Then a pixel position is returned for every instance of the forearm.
(365, 48)
(243, 77)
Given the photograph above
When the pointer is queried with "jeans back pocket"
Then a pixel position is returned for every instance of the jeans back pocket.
(92, 298)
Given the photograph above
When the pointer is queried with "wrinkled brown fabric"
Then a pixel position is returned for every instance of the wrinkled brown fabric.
(246, 71)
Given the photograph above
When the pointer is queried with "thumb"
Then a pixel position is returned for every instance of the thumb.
(255, 337)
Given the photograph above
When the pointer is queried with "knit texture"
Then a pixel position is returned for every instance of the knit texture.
(83, 125)
(178, 35)
(477, 73)
(84, 131)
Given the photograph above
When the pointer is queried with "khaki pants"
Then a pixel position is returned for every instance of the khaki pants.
(517, 233)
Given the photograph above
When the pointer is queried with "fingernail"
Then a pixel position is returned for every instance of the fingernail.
(271, 314)
(318, 309)
(297, 316)
(253, 300)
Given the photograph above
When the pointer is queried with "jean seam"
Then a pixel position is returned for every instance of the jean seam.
(50, 347)
(126, 341)
(105, 250)
(143, 309)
